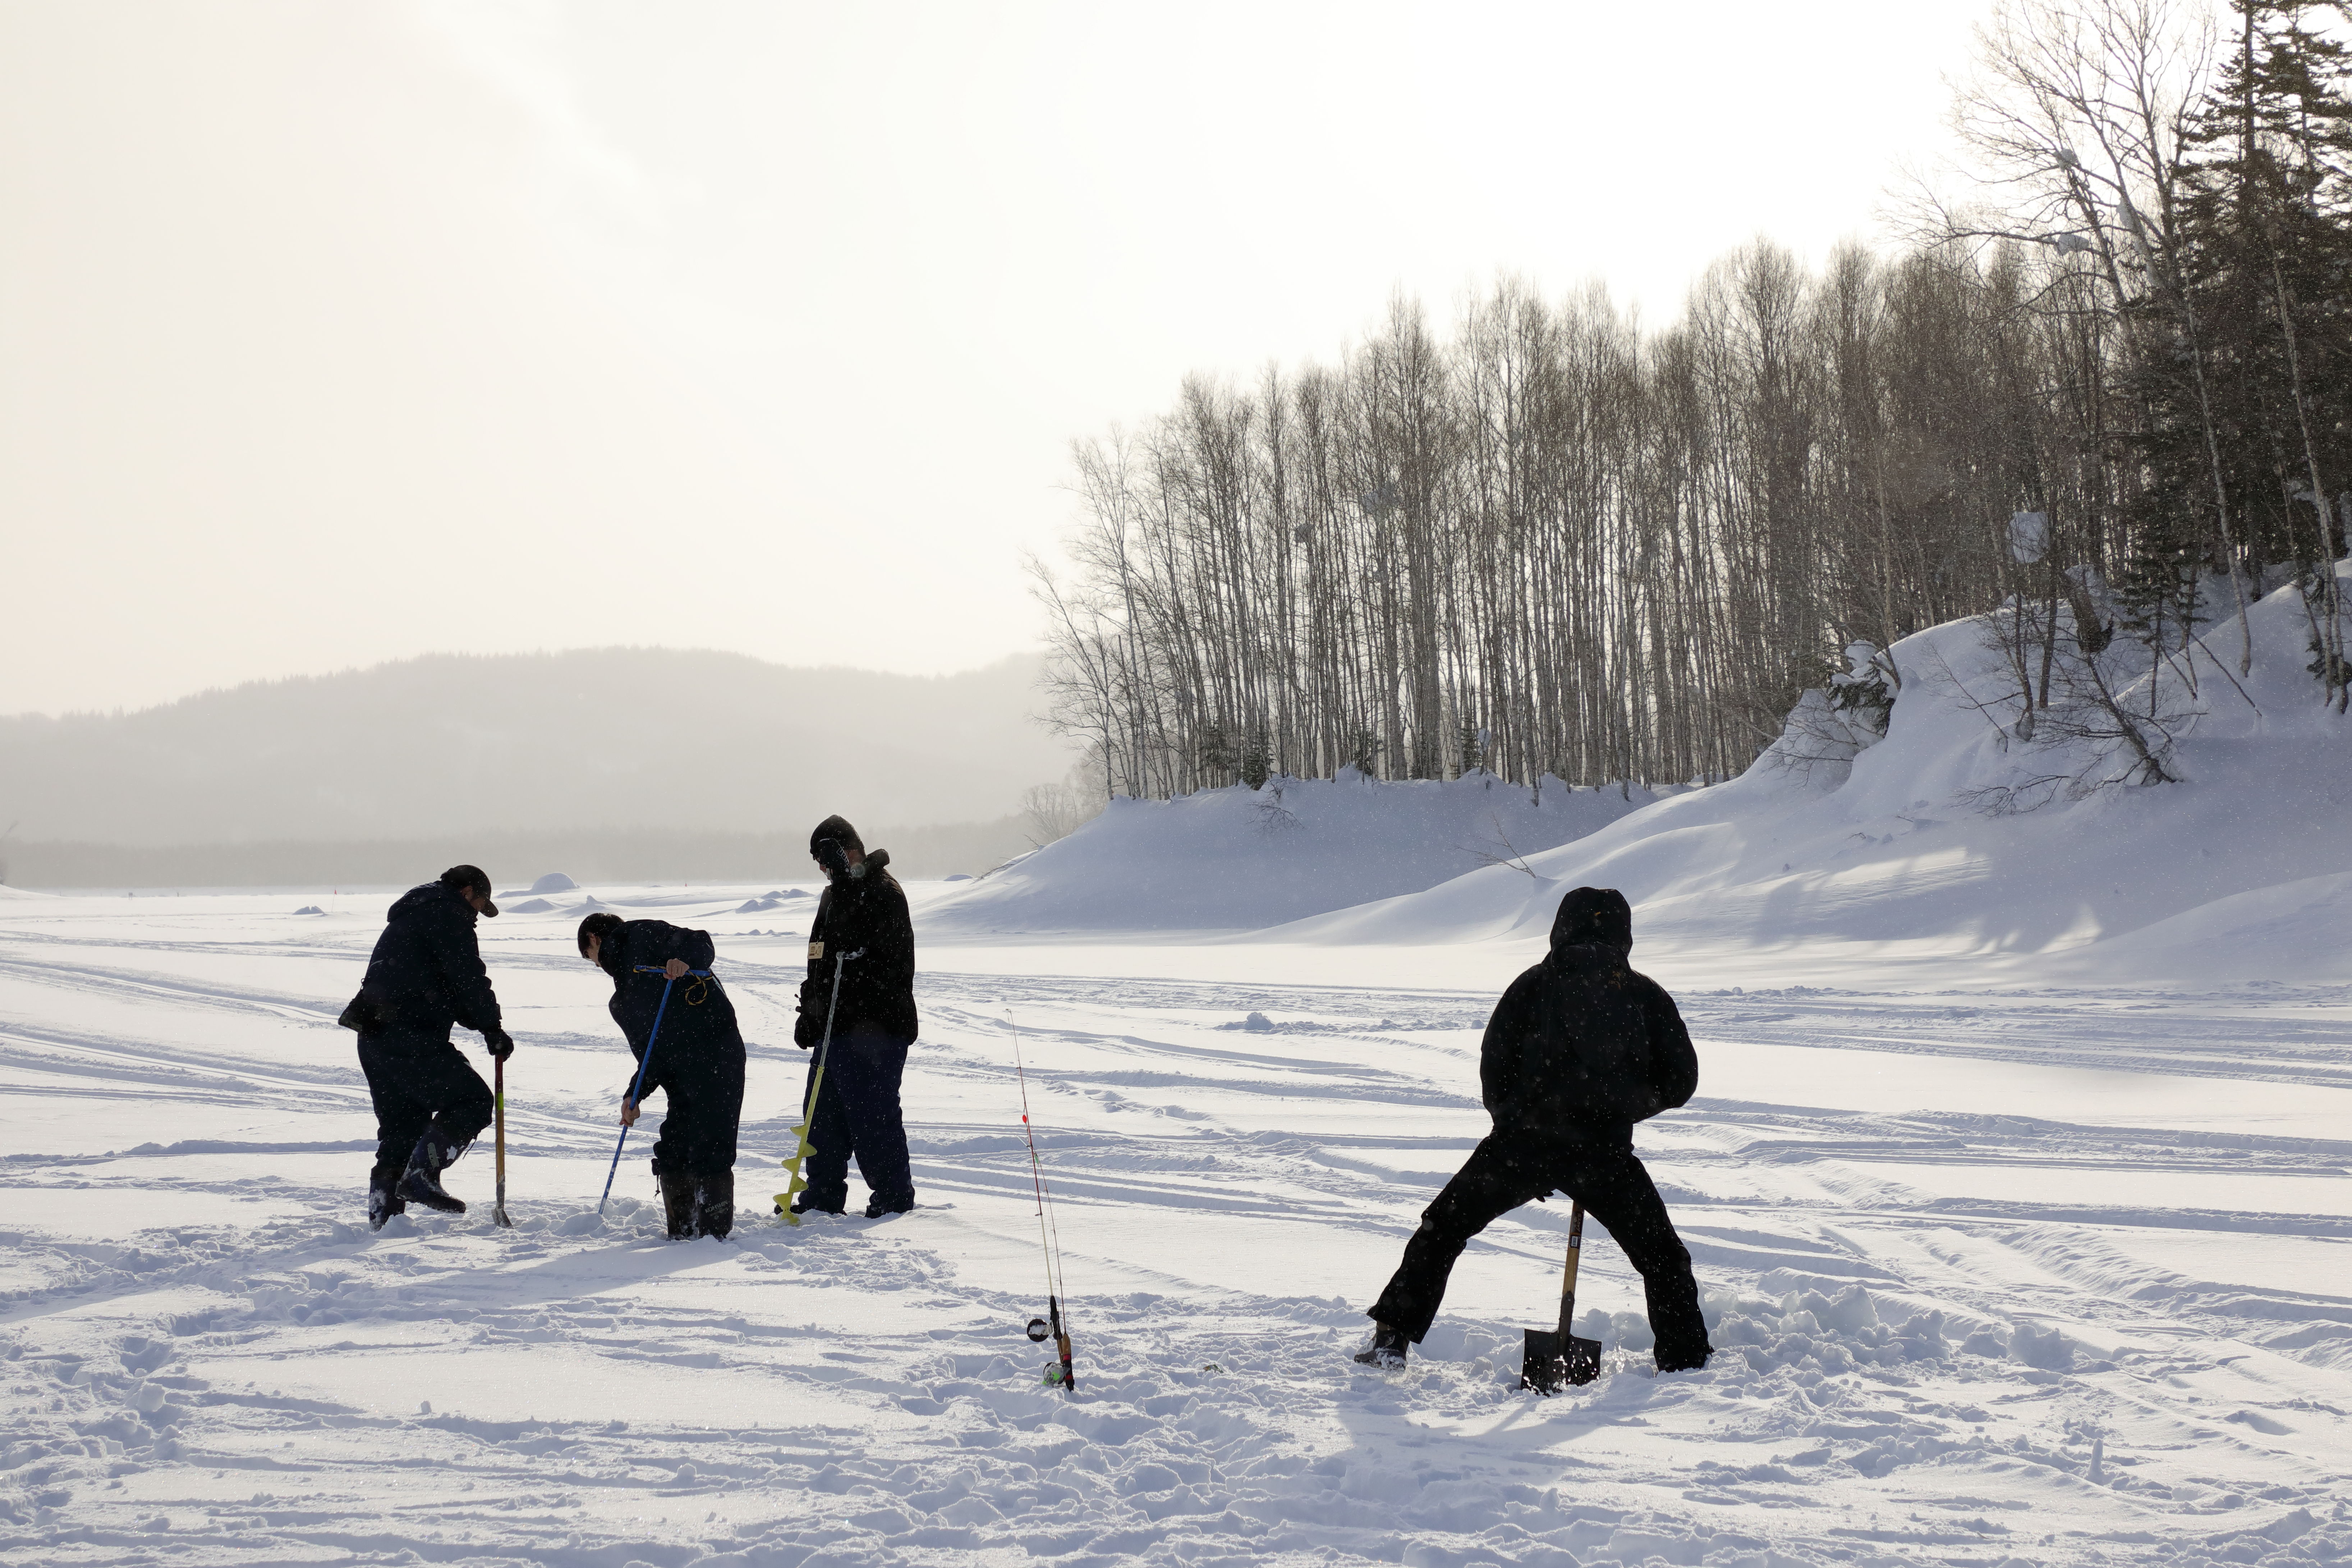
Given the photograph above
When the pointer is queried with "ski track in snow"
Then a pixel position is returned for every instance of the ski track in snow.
(2036, 1331)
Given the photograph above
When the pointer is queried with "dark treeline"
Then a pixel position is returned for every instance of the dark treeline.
(1548, 541)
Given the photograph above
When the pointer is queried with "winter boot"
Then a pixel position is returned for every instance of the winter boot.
(436, 1153)
(1681, 1358)
(1387, 1351)
(894, 1204)
(679, 1193)
(717, 1196)
(385, 1200)
(805, 1204)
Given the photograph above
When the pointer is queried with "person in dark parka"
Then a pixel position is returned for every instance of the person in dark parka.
(862, 917)
(698, 1061)
(1579, 1049)
(425, 976)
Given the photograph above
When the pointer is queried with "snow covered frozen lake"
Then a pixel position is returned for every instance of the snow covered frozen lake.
(2015, 1273)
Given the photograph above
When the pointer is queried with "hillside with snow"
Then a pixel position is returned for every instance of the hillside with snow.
(1241, 858)
(1949, 849)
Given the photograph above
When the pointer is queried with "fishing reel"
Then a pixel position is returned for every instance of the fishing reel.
(1039, 1331)
(1053, 1376)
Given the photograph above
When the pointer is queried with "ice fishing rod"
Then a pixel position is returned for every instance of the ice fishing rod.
(1049, 1240)
(644, 1062)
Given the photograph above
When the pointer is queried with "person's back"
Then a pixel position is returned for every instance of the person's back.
(1579, 1049)
(1584, 1046)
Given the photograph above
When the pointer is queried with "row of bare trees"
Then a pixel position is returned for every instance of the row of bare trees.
(1548, 542)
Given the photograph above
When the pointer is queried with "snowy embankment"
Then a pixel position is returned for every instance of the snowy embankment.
(1950, 846)
(1241, 858)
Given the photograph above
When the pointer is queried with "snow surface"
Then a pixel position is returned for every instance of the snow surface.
(2001, 1275)
(2017, 1186)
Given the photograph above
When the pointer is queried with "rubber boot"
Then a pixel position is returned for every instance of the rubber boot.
(434, 1152)
(679, 1193)
(718, 1200)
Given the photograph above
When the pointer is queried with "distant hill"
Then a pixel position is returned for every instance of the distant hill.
(618, 737)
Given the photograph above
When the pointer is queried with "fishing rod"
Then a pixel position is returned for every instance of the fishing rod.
(1049, 1240)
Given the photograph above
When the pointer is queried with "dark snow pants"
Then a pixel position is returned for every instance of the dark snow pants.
(703, 1085)
(857, 1113)
(415, 1081)
(1508, 1169)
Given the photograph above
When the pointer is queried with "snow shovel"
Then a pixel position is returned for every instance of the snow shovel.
(498, 1209)
(1557, 1358)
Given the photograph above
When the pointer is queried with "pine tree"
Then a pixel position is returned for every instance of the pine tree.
(2267, 251)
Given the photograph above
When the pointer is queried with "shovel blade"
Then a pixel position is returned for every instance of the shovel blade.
(1541, 1368)
(1554, 1361)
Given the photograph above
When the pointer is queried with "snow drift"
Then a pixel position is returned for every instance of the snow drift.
(1952, 838)
(1241, 858)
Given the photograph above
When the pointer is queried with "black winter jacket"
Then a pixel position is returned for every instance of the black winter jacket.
(700, 1020)
(426, 972)
(1582, 1045)
(868, 916)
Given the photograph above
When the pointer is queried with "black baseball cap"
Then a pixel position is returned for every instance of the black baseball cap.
(471, 879)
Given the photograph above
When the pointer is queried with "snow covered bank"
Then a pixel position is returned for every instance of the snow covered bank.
(1241, 858)
(1943, 842)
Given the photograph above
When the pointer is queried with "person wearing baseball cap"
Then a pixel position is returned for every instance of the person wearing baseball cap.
(424, 977)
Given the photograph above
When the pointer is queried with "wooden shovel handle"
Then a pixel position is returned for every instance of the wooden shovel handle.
(1568, 1284)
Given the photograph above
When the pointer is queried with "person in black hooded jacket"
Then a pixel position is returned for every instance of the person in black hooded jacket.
(698, 1060)
(425, 976)
(1579, 1049)
(863, 936)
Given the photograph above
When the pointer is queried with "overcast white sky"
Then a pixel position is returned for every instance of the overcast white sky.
(334, 334)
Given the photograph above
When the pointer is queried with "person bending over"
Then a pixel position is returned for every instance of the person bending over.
(1579, 1049)
(698, 1061)
(862, 915)
(425, 976)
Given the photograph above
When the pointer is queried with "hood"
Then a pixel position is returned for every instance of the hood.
(876, 860)
(423, 897)
(1595, 917)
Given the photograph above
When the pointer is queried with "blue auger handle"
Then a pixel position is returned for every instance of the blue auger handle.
(643, 1062)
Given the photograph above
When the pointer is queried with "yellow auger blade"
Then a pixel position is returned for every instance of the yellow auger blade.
(798, 1182)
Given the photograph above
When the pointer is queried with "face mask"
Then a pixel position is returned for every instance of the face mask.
(832, 857)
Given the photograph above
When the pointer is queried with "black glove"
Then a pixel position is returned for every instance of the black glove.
(500, 1044)
(806, 1031)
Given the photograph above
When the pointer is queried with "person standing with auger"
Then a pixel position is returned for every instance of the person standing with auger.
(425, 976)
(863, 917)
(696, 1061)
(1579, 1049)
